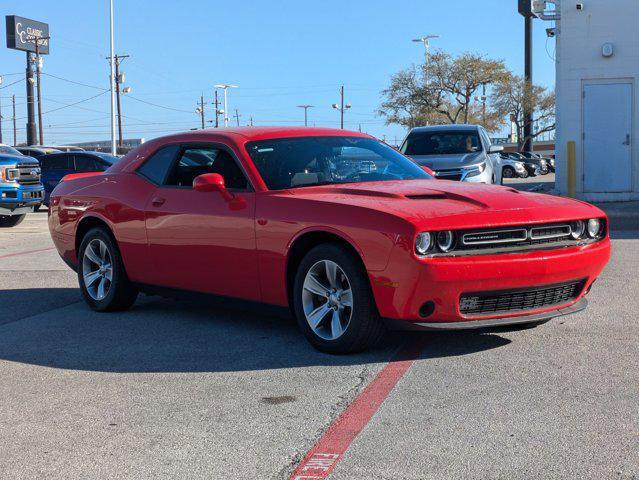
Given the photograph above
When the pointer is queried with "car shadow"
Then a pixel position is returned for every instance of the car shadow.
(162, 335)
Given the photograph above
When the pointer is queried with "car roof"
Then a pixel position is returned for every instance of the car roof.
(450, 127)
(263, 133)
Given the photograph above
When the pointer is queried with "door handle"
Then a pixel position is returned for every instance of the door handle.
(157, 201)
(627, 142)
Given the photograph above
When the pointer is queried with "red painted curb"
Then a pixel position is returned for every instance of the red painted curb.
(328, 451)
(16, 254)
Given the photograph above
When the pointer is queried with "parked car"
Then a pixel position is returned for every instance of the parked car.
(550, 162)
(532, 167)
(20, 189)
(455, 152)
(8, 150)
(512, 168)
(37, 152)
(55, 166)
(534, 158)
(265, 214)
(65, 148)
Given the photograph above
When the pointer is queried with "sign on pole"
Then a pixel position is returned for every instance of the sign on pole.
(23, 32)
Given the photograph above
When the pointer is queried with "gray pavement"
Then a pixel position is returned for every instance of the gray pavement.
(174, 389)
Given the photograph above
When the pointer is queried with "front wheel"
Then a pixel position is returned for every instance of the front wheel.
(101, 274)
(8, 221)
(524, 174)
(508, 172)
(333, 301)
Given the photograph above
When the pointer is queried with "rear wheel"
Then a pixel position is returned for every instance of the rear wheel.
(333, 301)
(508, 172)
(8, 221)
(101, 274)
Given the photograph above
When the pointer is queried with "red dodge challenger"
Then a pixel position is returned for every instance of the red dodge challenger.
(347, 232)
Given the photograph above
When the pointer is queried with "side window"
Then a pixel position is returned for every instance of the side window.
(200, 160)
(156, 167)
(60, 162)
(86, 163)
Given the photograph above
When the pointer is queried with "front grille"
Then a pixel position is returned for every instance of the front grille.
(29, 174)
(515, 237)
(455, 174)
(519, 300)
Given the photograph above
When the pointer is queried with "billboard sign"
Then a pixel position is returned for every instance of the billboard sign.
(22, 34)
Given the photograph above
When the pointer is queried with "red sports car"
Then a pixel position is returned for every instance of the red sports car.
(347, 232)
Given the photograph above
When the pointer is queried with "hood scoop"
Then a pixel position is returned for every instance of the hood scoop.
(427, 196)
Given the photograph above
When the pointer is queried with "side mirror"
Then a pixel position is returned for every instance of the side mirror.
(428, 171)
(212, 182)
(496, 149)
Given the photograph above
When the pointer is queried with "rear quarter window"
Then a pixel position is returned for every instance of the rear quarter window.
(157, 166)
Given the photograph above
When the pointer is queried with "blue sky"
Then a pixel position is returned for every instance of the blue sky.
(281, 54)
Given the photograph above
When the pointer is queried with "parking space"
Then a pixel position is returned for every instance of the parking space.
(196, 390)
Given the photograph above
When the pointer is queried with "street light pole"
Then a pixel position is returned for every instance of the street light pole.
(528, 77)
(217, 111)
(341, 106)
(305, 107)
(112, 79)
(38, 61)
(426, 42)
(225, 87)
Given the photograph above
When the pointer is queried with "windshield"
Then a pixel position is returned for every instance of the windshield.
(439, 142)
(305, 161)
(9, 150)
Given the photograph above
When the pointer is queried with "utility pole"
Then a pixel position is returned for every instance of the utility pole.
(31, 126)
(38, 61)
(305, 107)
(112, 78)
(237, 117)
(200, 110)
(341, 107)
(13, 101)
(251, 121)
(525, 8)
(217, 110)
(119, 80)
(1, 115)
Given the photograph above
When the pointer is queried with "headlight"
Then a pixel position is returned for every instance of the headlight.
(577, 229)
(446, 241)
(423, 243)
(10, 174)
(475, 170)
(594, 227)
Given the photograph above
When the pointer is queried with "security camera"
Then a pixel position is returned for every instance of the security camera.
(580, 6)
(551, 32)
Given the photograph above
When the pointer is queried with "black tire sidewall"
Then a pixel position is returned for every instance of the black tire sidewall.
(511, 170)
(364, 317)
(8, 221)
(119, 282)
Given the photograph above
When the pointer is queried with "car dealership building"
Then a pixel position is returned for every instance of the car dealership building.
(597, 59)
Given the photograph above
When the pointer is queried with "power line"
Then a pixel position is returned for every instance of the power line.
(159, 106)
(74, 82)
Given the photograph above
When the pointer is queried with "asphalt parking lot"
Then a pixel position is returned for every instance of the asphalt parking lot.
(173, 389)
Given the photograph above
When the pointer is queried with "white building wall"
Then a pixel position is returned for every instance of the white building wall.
(580, 61)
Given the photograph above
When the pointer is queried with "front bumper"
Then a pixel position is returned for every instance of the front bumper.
(17, 201)
(407, 284)
(490, 322)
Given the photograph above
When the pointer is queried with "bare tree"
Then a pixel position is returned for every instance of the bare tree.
(509, 98)
(444, 91)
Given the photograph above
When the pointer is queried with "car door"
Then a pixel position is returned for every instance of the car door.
(202, 241)
(54, 167)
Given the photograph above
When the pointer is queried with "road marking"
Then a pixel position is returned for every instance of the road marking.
(26, 252)
(320, 461)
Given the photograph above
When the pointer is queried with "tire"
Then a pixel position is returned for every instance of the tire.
(508, 172)
(116, 294)
(8, 221)
(37, 208)
(360, 326)
(524, 174)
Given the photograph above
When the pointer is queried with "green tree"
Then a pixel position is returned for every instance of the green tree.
(510, 98)
(446, 90)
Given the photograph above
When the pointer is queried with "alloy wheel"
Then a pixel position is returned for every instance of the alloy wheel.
(97, 269)
(327, 300)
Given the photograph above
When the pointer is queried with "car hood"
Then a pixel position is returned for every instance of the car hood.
(447, 204)
(444, 162)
